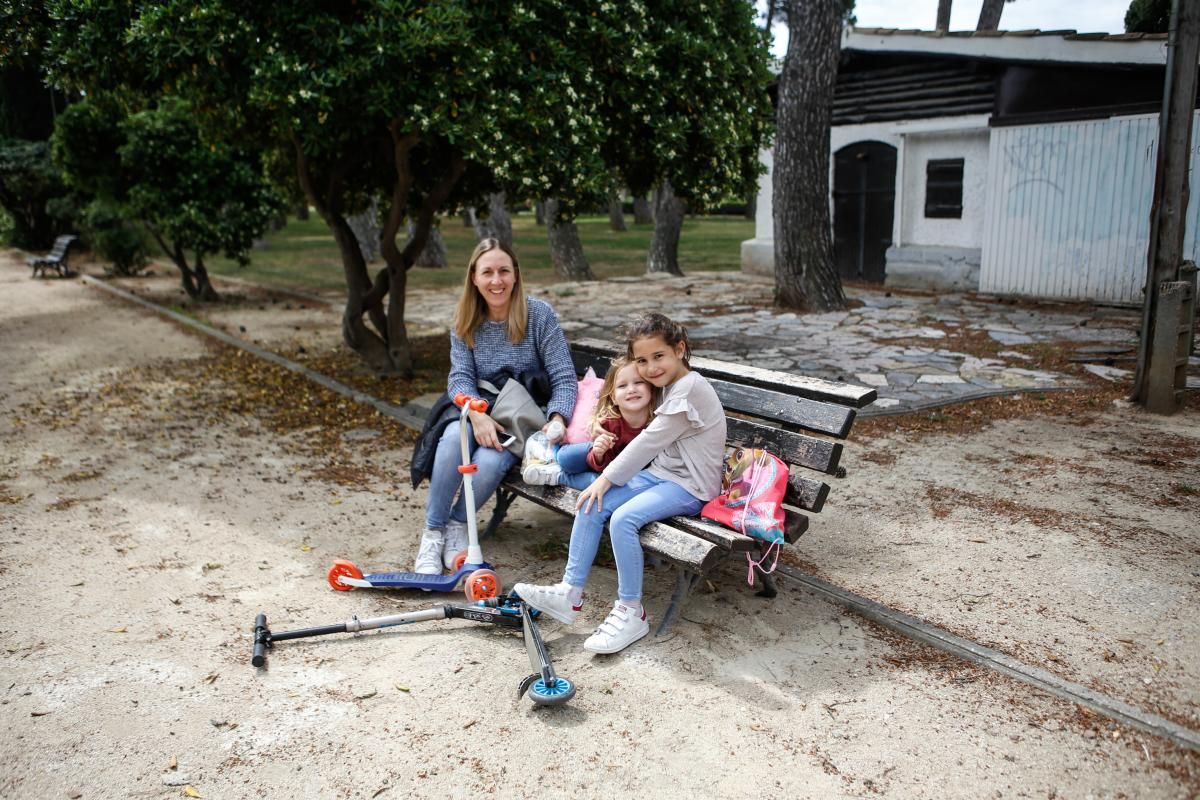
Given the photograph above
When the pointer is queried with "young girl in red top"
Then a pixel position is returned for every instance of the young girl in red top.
(622, 411)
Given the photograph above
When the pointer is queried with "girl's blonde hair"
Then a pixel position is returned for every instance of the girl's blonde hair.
(606, 406)
(472, 309)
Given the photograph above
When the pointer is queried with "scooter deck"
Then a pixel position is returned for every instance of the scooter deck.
(416, 580)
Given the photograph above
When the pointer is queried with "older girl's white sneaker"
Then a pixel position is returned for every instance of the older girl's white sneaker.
(623, 627)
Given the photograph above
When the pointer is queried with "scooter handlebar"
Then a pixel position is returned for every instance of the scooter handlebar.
(473, 403)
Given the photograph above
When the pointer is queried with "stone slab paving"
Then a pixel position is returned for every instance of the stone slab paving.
(891, 341)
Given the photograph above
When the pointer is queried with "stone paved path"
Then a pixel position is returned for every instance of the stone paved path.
(895, 342)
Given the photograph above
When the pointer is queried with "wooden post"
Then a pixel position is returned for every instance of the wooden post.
(1169, 209)
(1172, 334)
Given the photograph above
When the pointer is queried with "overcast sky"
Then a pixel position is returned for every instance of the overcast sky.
(1085, 16)
(1081, 15)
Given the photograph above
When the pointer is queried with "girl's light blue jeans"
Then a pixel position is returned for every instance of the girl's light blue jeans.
(627, 508)
(441, 505)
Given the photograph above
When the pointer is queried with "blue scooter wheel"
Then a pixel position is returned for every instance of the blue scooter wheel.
(543, 695)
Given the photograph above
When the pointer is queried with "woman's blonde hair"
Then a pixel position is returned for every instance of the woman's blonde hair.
(472, 308)
(606, 405)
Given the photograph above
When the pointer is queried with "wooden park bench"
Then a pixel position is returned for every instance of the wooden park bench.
(56, 259)
(773, 410)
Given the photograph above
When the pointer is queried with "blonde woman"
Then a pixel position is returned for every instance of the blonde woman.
(498, 333)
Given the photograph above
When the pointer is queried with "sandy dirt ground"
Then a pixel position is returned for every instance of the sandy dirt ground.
(148, 511)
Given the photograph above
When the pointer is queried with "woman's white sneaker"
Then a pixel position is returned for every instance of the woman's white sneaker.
(455, 542)
(623, 627)
(554, 601)
(429, 554)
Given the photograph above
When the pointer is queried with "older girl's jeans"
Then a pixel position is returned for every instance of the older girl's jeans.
(444, 483)
(626, 509)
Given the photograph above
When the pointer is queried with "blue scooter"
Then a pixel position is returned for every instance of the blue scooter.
(480, 581)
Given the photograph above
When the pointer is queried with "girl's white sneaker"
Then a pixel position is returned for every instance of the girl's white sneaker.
(554, 601)
(622, 628)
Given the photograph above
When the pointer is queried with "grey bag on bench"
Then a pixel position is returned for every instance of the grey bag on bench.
(516, 411)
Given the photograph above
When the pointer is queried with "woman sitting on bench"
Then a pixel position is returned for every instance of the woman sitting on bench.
(497, 330)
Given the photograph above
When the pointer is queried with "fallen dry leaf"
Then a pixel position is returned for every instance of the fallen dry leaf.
(190, 791)
(173, 763)
(122, 629)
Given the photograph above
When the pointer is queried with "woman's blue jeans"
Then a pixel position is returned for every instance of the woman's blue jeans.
(441, 505)
(627, 508)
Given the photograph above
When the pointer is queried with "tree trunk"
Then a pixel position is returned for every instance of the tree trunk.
(616, 214)
(668, 221)
(369, 344)
(204, 285)
(365, 225)
(301, 211)
(498, 224)
(539, 212)
(434, 253)
(989, 15)
(806, 276)
(566, 250)
(468, 217)
(642, 215)
(751, 211)
(943, 15)
(195, 281)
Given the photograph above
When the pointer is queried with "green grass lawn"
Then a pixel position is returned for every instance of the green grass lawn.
(303, 254)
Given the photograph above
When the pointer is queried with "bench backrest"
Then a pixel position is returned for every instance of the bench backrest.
(60, 246)
(776, 411)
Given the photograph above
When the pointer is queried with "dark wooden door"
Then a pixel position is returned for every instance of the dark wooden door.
(864, 194)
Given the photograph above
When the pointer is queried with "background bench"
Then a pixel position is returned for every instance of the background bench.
(800, 420)
(56, 259)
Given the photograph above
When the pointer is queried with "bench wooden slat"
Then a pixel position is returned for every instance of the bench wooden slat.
(804, 492)
(795, 525)
(791, 411)
(797, 385)
(794, 448)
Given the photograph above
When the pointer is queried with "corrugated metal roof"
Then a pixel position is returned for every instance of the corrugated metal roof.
(1067, 34)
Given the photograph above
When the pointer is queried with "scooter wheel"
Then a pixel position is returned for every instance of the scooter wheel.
(343, 567)
(459, 560)
(543, 695)
(481, 584)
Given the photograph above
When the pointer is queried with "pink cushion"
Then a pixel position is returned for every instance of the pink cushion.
(585, 406)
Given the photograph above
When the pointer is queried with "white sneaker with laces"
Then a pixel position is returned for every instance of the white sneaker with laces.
(542, 474)
(456, 541)
(552, 600)
(429, 554)
(622, 628)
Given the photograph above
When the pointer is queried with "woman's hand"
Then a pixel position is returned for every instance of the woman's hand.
(487, 430)
(593, 494)
(555, 418)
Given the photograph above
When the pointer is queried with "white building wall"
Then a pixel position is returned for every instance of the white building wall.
(758, 254)
(1069, 209)
(921, 148)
